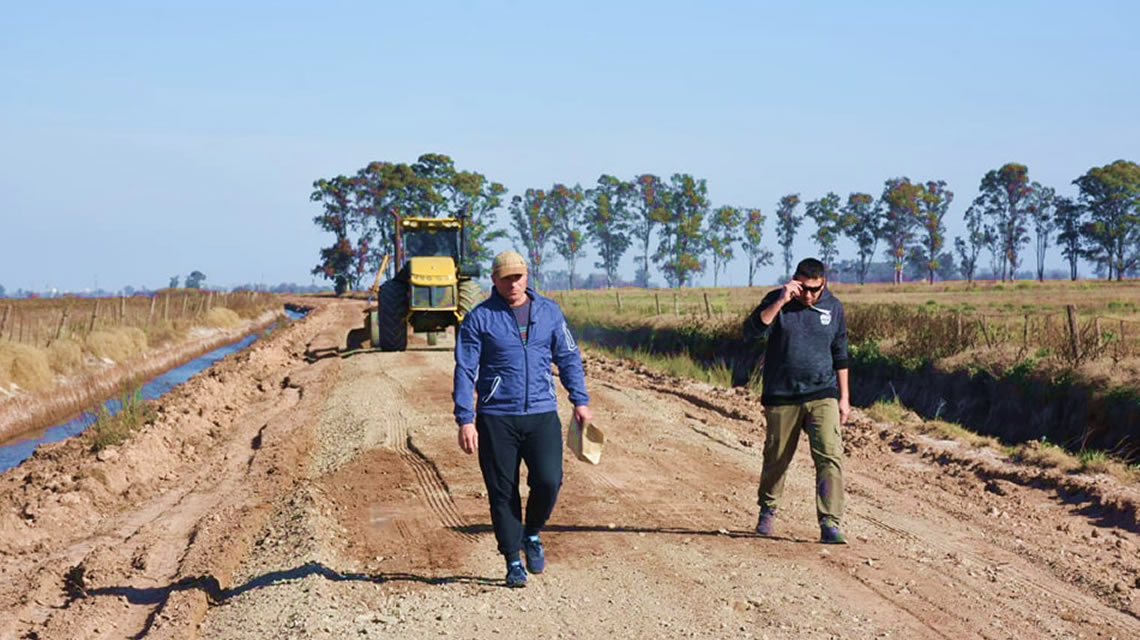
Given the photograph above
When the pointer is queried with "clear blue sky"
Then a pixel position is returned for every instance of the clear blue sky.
(148, 139)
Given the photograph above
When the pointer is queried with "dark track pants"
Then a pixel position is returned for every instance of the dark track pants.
(505, 442)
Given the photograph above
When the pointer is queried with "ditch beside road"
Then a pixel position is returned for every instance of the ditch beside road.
(297, 491)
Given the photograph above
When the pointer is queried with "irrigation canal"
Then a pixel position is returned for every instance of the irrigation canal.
(19, 449)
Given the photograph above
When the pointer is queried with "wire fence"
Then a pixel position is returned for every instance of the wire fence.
(40, 321)
(913, 331)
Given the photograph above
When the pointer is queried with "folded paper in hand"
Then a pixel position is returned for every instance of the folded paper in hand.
(586, 441)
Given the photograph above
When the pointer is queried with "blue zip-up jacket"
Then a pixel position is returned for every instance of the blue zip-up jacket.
(509, 377)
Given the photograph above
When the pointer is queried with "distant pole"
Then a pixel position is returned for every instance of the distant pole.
(617, 293)
(708, 305)
(122, 310)
(150, 316)
(166, 308)
(1096, 325)
(676, 307)
(657, 300)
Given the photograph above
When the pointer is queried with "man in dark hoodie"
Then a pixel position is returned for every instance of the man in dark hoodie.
(503, 352)
(805, 388)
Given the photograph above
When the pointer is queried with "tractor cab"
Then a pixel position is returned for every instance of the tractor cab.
(430, 290)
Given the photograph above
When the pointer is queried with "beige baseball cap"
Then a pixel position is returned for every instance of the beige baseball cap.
(508, 263)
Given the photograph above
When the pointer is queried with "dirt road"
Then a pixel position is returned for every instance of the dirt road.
(294, 492)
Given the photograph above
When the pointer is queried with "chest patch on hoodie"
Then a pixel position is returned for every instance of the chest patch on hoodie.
(824, 317)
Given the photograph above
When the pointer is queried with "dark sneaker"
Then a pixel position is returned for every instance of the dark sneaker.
(829, 533)
(764, 524)
(516, 575)
(535, 555)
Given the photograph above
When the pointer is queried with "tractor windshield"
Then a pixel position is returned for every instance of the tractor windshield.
(441, 243)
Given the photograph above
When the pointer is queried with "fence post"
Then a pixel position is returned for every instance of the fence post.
(62, 324)
(1123, 340)
(1074, 331)
(8, 314)
(185, 298)
(958, 328)
(985, 331)
(166, 308)
(150, 316)
(617, 293)
(708, 305)
(657, 300)
(1025, 334)
(122, 310)
(1096, 327)
(676, 309)
(94, 317)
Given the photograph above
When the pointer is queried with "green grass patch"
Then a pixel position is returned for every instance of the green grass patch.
(112, 430)
(679, 365)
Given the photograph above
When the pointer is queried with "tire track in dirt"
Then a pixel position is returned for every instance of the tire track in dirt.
(392, 429)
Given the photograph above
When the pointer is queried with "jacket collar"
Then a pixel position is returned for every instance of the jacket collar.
(530, 293)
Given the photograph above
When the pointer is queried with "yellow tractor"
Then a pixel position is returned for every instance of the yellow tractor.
(431, 290)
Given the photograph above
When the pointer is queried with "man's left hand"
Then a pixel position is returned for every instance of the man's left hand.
(582, 414)
(844, 410)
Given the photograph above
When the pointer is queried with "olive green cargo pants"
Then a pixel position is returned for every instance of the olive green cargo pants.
(820, 418)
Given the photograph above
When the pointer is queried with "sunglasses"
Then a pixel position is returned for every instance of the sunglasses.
(808, 289)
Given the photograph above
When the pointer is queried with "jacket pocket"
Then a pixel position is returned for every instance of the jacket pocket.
(495, 382)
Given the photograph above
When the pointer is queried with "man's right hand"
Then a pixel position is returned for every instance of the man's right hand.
(792, 289)
(468, 438)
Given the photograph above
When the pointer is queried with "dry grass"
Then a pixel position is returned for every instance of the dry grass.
(42, 337)
(65, 356)
(24, 366)
(222, 318)
(163, 333)
(119, 344)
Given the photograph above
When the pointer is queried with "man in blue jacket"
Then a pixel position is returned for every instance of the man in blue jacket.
(805, 388)
(503, 352)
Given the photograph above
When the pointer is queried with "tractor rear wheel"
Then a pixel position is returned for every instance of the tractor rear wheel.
(469, 295)
(392, 321)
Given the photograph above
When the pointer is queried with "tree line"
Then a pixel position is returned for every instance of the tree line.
(672, 224)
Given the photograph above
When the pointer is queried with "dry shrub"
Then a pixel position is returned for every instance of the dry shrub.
(163, 333)
(1043, 454)
(118, 344)
(891, 412)
(24, 365)
(65, 356)
(222, 318)
(950, 431)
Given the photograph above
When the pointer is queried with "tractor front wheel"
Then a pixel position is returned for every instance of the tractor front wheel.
(392, 322)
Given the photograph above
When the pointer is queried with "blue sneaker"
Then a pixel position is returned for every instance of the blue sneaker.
(535, 554)
(764, 524)
(829, 532)
(516, 575)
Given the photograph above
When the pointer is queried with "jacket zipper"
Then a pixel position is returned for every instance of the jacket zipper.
(526, 357)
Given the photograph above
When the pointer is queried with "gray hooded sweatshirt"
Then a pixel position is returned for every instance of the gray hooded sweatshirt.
(806, 346)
